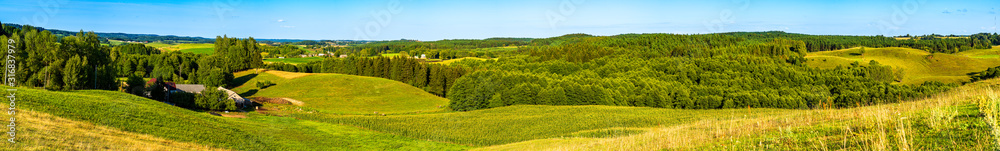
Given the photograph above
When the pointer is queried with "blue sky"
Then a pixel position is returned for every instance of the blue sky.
(463, 19)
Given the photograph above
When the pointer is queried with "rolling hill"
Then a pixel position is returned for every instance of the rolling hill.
(947, 121)
(341, 94)
(917, 65)
(94, 115)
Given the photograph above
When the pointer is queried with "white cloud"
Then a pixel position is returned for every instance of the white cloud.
(281, 20)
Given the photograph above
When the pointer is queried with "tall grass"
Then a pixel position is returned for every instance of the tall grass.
(989, 104)
(950, 121)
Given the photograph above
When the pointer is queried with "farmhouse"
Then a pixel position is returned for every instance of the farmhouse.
(189, 88)
(240, 101)
(170, 87)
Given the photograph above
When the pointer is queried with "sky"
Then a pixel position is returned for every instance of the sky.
(478, 19)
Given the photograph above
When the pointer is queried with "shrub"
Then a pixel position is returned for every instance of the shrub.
(264, 84)
(136, 86)
(183, 99)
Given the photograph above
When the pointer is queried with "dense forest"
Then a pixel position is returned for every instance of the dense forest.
(677, 71)
(930, 43)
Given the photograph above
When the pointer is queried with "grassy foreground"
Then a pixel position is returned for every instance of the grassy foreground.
(950, 121)
(41, 131)
(144, 121)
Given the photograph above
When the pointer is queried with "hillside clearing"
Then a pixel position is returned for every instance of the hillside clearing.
(917, 65)
(341, 94)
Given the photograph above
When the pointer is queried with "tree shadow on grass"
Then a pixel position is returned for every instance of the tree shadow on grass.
(249, 93)
(242, 80)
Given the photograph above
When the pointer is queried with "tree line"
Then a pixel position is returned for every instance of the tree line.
(928, 43)
(68, 63)
(443, 49)
(433, 78)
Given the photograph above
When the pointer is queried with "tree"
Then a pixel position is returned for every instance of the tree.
(216, 77)
(136, 86)
(74, 74)
(157, 90)
(404, 54)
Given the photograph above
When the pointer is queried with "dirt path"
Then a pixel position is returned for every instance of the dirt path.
(295, 102)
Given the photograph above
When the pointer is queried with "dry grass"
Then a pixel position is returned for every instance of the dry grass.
(288, 75)
(881, 127)
(41, 131)
(989, 104)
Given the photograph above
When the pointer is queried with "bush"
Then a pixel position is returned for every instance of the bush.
(183, 99)
(136, 86)
(264, 84)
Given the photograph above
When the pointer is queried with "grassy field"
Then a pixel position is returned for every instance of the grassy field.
(131, 116)
(507, 48)
(917, 65)
(293, 60)
(390, 54)
(199, 50)
(159, 45)
(522, 123)
(342, 94)
(949, 121)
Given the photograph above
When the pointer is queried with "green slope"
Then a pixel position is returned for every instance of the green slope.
(918, 66)
(521, 123)
(135, 114)
(208, 51)
(342, 94)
